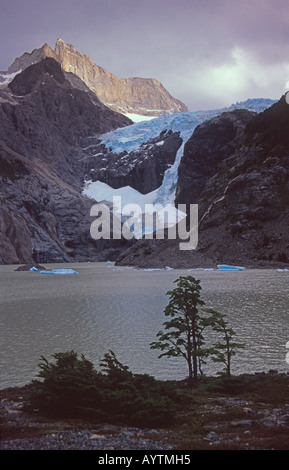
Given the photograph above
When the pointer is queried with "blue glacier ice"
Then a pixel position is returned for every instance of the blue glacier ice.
(226, 267)
(131, 137)
(59, 271)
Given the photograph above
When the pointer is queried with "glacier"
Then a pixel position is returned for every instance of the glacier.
(131, 137)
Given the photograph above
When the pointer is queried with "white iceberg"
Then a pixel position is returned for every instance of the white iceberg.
(200, 269)
(153, 269)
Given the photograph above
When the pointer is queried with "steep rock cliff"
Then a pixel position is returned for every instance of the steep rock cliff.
(211, 143)
(49, 118)
(44, 122)
(143, 96)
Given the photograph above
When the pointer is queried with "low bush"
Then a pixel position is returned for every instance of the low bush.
(70, 387)
(227, 385)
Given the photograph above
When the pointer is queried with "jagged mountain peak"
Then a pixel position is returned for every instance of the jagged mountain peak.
(62, 48)
(45, 112)
(26, 81)
(60, 42)
(30, 58)
(129, 96)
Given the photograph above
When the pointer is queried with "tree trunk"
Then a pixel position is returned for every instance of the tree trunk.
(195, 362)
(191, 378)
(229, 365)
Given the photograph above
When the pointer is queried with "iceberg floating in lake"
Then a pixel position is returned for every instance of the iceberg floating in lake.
(59, 271)
(33, 269)
(200, 269)
(283, 270)
(153, 269)
(226, 267)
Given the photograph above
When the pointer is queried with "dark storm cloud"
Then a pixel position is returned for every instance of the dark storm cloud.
(207, 53)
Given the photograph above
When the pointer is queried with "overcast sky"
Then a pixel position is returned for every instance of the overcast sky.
(207, 53)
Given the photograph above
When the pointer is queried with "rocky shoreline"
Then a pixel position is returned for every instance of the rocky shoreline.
(71, 434)
(218, 421)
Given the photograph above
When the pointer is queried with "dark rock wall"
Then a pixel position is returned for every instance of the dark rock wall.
(44, 124)
(211, 143)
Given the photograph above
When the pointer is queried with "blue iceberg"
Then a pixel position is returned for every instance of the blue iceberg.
(59, 271)
(226, 267)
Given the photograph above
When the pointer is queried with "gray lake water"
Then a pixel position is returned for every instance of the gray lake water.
(106, 308)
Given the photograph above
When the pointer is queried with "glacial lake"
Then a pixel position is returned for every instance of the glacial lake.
(104, 308)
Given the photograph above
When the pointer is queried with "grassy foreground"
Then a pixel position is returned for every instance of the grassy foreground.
(243, 412)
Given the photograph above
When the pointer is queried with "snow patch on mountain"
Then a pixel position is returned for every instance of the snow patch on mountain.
(6, 78)
(102, 192)
(138, 117)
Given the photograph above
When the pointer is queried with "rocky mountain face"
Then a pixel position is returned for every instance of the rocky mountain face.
(45, 124)
(142, 169)
(211, 143)
(134, 95)
(46, 117)
(244, 206)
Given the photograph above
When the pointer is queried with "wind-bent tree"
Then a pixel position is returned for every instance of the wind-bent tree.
(183, 335)
(223, 351)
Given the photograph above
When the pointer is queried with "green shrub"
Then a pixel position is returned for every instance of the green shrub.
(72, 388)
(69, 383)
(228, 385)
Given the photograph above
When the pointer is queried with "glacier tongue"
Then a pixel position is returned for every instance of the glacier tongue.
(186, 124)
(131, 137)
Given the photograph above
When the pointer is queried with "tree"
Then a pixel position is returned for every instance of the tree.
(183, 335)
(223, 351)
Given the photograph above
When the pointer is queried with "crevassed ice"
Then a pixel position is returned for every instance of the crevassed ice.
(131, 137)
